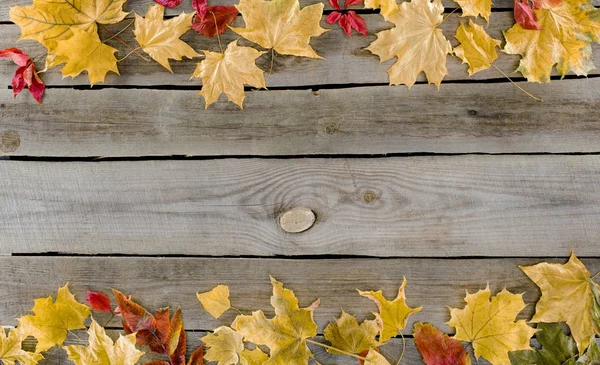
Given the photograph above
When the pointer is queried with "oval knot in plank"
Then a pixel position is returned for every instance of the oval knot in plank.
(297, 220)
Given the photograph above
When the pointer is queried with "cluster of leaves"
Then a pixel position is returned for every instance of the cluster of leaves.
(487, 323)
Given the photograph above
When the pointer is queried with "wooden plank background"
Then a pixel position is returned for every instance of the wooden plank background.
(132, 184)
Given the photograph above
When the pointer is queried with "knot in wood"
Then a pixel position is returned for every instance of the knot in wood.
(297, 220)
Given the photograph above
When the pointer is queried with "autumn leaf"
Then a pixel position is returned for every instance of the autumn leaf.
(254, 357)
(347, 20)
(160, 334)
(51, 321)
(489, 324)
(476, 48)
(25, 75)
(557, 349)
(50, 21)
(197, 357)
(224, 346)
(392, 315)
(212, 20)
(228, 72)
(84, 51)
(567, 296)
(11, 349)
(476, 8)
(375, 358)
(347, 335)
(281, 25)
(416, 42)
(168, 3)
(437, 348)
(102, 351)
(99, 301)
(591, 356)
(564, 41)
(286, 333)
(216, 302)
(159, 38)
(524, 15)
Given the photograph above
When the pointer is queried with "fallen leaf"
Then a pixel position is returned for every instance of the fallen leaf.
(591, 356)
(102, 351)
(286, 333)
(437, 348)
(567, 296)
(11, 349)
(84, 51)
(489, 324)
(347, 335)
(524, 15)
(416, 42)
(254, 357)
(51, 321)
(212, 20)
(197, 357)
(386, 7)
(476, 48)
(99, 301)
(25, 75)
(476, 7)
(224, 346)
(347, 20)
(557, 348)
(168, 3)
(228, 72)
(375, 358)
(159, 38)
(281, 25)
(392, 315)
(216, 302)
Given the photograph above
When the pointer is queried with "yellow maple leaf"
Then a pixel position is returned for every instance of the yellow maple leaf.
(84, 51)
(392, 315)
(476, 8)
(224, 346)
(50, 21)
(347, 335)
(11, 349)
(228, 72)
(286, 333)
(281, 25)
(216, 302)
(490, 325)
(160, 38)
(386, 7)
(254, 357)
(476, 48)
(375, 358)
(102, 351)
(51, 320)
(567, 296)
(564, 41)
(416, 42)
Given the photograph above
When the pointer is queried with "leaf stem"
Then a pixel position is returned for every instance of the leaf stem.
(129, 54)
(516, 85)
(217, 30)
(336, 350)
(448, 16)
(403, 348)
(116, 37)
(119, 32)
(595, 276)
(76, 336)
(112, 315)
(272, 64)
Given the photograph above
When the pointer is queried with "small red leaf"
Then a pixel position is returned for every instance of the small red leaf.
(197, 357)
(215, 20)
(168, 3)
(25, 74)
(335, 4)
(345, 24)
(99, 301)
(352, 3)
(19, 57)
(201, 7)
(437, 348)
(357, 22)
(334, 17)
(18, 81)
(525, 17)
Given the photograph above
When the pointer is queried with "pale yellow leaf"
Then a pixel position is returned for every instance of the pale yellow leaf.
(11, 349)
(476, 48)
(224, 346)
(216, 302)
(476, 8)
(375, 358)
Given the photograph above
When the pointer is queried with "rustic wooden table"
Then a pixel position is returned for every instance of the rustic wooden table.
(133, 184)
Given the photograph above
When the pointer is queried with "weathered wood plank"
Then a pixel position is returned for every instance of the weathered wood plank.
(419, 206)
(346, 60)
(368, 120)
(158, 282)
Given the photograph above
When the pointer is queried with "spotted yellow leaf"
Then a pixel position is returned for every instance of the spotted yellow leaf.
(281, 25)
(489, 324)
(416, 42)
(11, 351)
(159, 38)
(228, 72)
(216, 302)
(477, 48)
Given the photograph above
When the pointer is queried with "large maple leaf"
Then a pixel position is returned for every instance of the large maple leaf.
(103, 351)
(11, 349)
(286, 333)
(281, 25)
(392, 315)
(564, 41)
(160, 38)
(416, 42)
(49, 21)
(567, 296)
(489, 324)
(227, 73)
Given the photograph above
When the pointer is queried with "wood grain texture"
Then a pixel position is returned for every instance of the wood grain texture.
(365, 120)
(158, 282)
(417, 206)
(346, 60)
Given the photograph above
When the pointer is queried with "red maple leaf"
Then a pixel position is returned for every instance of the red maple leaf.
(25, 74)
(347, 19)
(437, 348)
(161, 334)
(212, 20)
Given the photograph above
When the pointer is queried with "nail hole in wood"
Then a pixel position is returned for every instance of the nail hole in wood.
(297, 220)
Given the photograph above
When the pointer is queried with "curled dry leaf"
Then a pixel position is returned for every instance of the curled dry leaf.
(437, 348)
(489, 324)
(215, 302)
(25, 75)
(477, 48)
